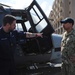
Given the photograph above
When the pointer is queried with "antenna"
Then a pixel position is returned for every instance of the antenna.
(4, 5)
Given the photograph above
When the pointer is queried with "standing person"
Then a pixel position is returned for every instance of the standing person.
(8, 37)
(68, 47)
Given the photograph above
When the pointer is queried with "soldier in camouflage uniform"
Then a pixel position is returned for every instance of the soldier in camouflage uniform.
(68, 47)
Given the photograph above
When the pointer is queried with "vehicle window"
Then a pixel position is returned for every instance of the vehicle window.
(19, 27)
(41, 25)
(39, 13)
(28, 26)
(35, 16)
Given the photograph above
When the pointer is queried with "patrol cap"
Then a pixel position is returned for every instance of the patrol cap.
(67, 20)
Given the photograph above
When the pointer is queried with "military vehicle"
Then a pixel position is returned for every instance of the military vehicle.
(38, 56)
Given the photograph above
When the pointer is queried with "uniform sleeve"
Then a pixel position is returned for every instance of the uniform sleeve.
(20, 35)
(70, 42)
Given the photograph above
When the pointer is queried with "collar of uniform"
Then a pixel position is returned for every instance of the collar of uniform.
(4, 31)
(67, 34)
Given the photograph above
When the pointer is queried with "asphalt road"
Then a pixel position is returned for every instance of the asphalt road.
(55, 69)
(40, 73)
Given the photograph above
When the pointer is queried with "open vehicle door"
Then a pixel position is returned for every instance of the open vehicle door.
(33, 19)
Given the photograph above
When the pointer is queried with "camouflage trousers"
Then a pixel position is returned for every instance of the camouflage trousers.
(67, 69)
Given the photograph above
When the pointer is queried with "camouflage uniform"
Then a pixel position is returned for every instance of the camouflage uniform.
(68, 49)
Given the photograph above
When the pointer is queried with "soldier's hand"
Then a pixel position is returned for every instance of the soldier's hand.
(39, 35)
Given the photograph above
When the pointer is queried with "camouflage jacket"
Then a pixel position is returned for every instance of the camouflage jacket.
(68, 44)
(68, 49)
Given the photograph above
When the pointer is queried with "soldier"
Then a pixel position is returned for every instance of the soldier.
(68, 47)
(8, 37)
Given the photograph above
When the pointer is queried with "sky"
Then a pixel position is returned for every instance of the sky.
(46, 5)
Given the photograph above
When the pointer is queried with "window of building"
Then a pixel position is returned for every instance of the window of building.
(60, 1)
(69, 12)
(69, 2)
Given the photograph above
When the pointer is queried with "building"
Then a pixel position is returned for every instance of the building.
(60, 10)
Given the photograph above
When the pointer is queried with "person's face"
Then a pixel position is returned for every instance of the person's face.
(12, 26)
(67, 26)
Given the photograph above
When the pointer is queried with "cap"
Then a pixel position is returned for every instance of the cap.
(67, 20)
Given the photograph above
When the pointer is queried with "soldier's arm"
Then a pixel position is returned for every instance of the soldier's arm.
(71, 48)
(31, 35)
